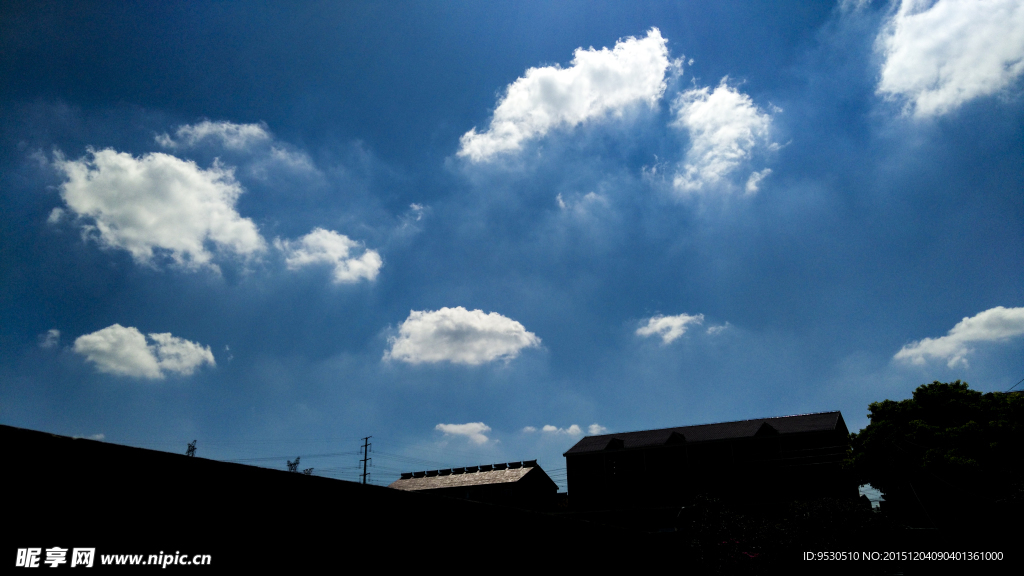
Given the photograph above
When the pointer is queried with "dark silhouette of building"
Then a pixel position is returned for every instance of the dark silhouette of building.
(72, 492)
(750, 461)
(520, 484)
(75, 492)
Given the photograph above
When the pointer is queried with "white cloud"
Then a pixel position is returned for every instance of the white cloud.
(474, 431)
(580, 205)
(119, 350)
(296, 160)
(668, 327)
(267, 161)
(940, 54)
(713, 330)
(328, 247)
(124, 352)
(993, 325)
(598, 83)
(51, 339)
(573, 430)
(852, 5)
(724, 127)
(159, 203)
(180, 355)
(253, 139)
(754, 182)
(227, 134)
(458, 336)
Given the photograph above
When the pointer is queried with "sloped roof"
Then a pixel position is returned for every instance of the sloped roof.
(454, 479)
(817, 422)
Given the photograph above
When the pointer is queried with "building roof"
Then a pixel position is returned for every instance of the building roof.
(817, 422)
(469, 476)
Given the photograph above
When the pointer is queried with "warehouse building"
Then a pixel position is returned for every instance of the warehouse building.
(757, 460)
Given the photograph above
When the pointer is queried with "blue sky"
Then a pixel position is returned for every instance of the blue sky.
(479, 232)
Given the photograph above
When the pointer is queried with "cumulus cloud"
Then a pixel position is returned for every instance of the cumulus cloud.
(158, 203)
(125, 352)
(668, 327)
(596, 84)
(724, 126)
(227, 134)
(326, 247)
(161, 205)
(573, 430)
(940, 54)
(993, 325)
(474, 431)
(596, 429)
(49, 339)
(459, 336)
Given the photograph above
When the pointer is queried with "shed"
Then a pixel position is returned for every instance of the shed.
(522, 484)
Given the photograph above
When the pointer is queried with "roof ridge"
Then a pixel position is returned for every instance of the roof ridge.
(713, 423)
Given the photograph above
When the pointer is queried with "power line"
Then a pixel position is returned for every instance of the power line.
(445, 452)
(445, 458)
(266, 458)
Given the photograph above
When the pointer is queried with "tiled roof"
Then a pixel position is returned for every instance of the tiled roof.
(459, 477)
(818, 422)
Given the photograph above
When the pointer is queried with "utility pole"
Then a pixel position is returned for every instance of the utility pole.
(366, 459)
(191, 449)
